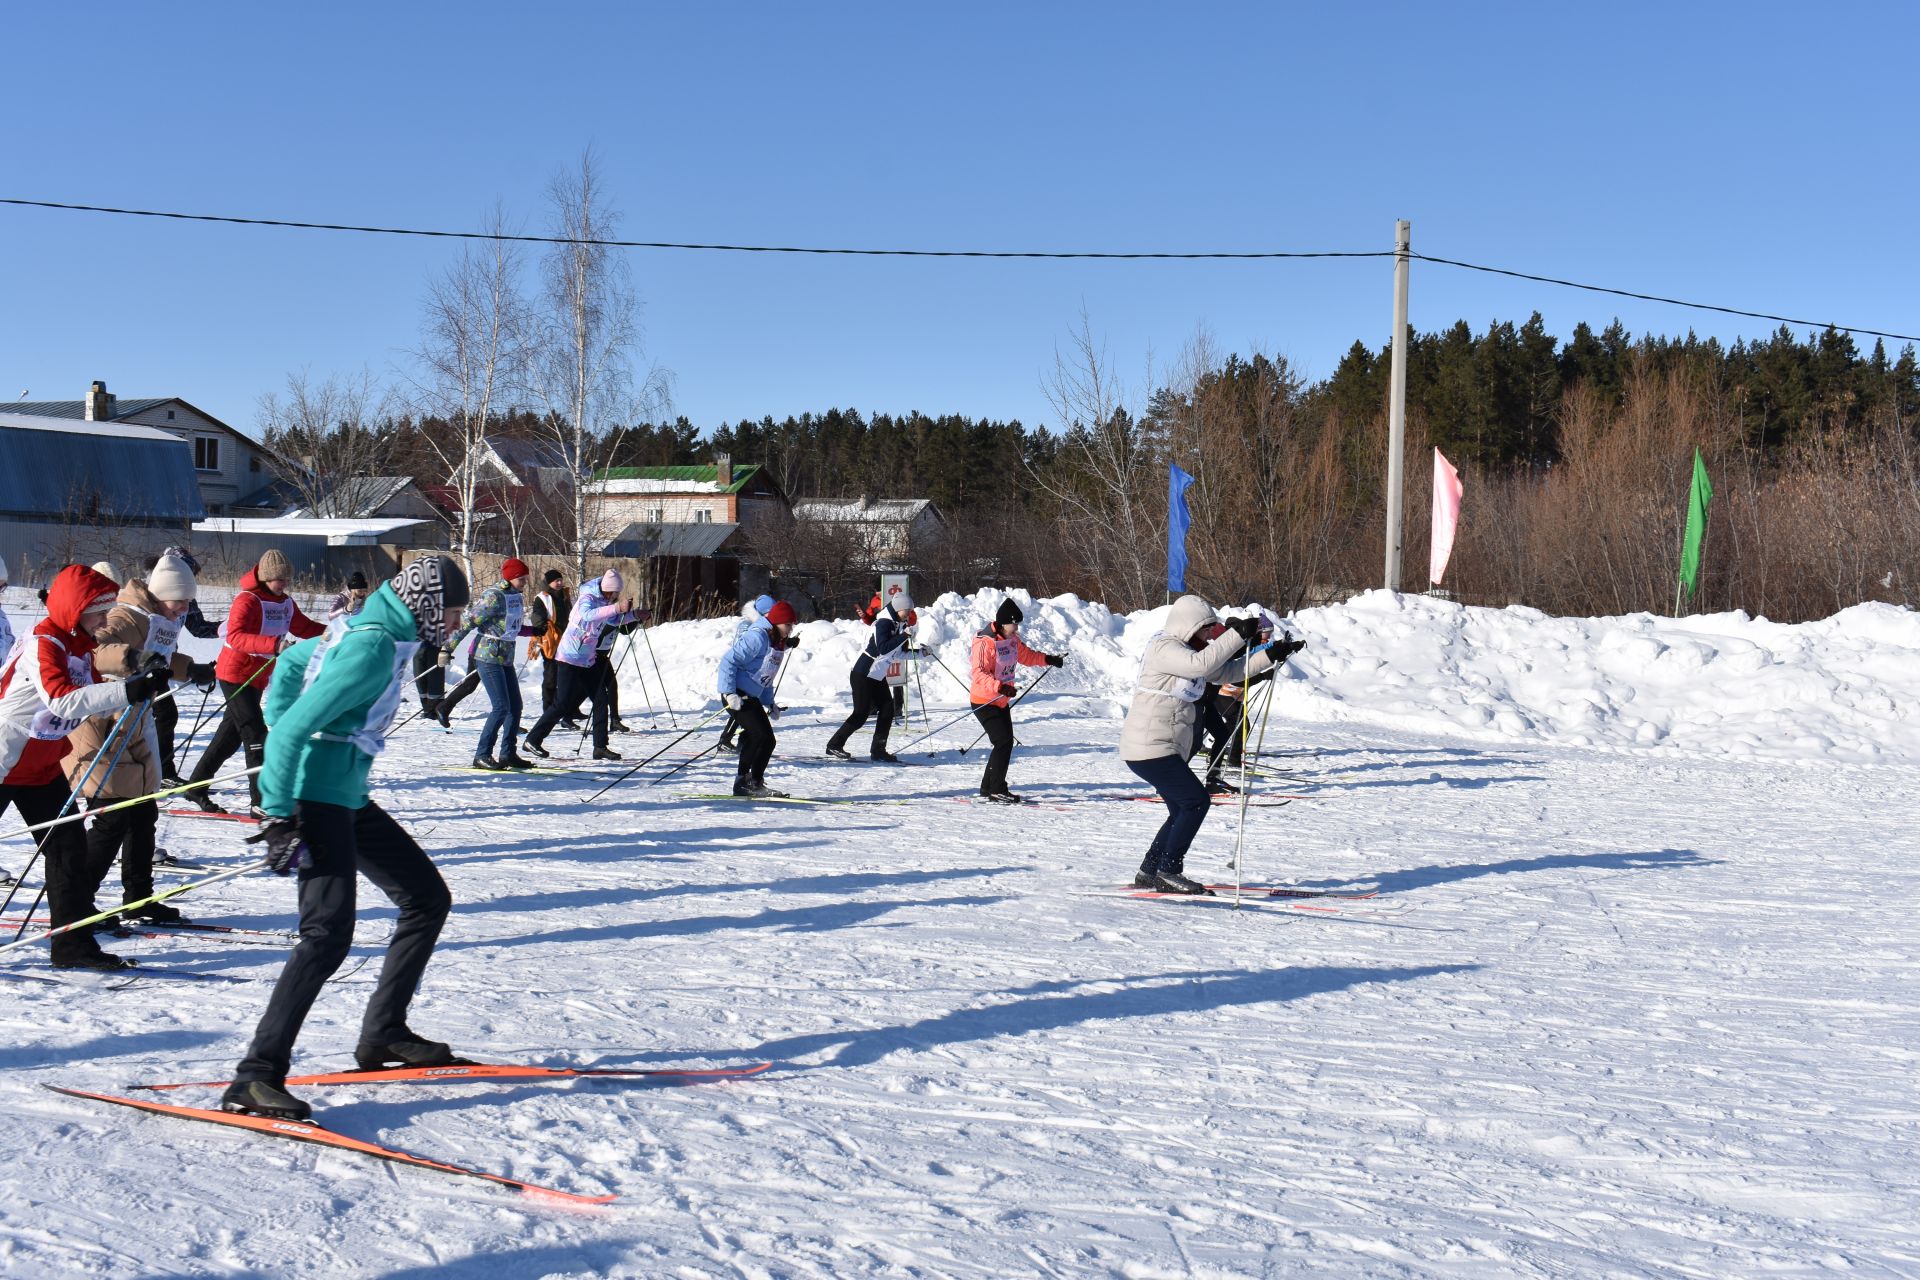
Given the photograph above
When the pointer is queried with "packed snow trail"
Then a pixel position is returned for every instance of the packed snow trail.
(1645, 1013)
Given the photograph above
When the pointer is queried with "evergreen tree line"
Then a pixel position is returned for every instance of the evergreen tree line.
(1575, 455)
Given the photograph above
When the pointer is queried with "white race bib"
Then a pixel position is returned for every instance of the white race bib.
(371, 735)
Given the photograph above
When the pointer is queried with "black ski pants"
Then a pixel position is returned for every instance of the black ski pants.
(870, 698)
(130, 833)
(577, 684)
(998, 722)
(756, 742)
(549, 681)
(73, 873)
(343, 842)
(242, 725)
(462, 691)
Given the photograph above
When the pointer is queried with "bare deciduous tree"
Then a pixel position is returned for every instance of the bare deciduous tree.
(474, 357)
(588, 337)
(326, 437)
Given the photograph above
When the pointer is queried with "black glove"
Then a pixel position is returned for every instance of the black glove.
(286, 848)
(1247, 629)
(150, 684)
(200, 674)
(1285, 648)
(1056, 659)
(793, 642)
(1007, 690)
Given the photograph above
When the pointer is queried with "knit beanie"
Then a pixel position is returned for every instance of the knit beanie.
(552, 576)
(106, 567)
(358, 582)
(513, 568)
(782, 613)
(178, 553)
(429, 587)
(273, 565)
(611, 583)
(171, 580)
(1009, 613)
(901, 603)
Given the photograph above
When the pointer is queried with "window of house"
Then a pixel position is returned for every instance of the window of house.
(703, 516)
(169, 415)
(206, 453)
(656, 515)
(253, 463)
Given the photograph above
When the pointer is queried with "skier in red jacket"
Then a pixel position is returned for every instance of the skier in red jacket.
(263, 621)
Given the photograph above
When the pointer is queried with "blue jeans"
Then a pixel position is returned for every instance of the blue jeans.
(1187, 804)
(503, 691)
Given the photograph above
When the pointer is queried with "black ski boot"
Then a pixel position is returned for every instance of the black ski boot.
(488, 763)
(1177, 882)
(157, 913)
(839, 753)
(751, 790)
(729, 746)
(607, 753)
(93, 958)
(1219, 786)
(1143, 878)
(205, 803)
(514, 760)
(536, 749)
(264, 1098)
(443, 715)
(620, 726)
(408, 1049)
(571, 722)
(1001, 797)
(884, 757)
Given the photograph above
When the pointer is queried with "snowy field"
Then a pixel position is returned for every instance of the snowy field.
(1637, 996)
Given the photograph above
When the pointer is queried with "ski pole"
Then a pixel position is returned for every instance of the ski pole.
(659, 678)
(125, 907)
(73, 799)
(931, 733)
(1010, 706)
(1240, 837)
(692, 759)
(655, 756)
(639, 673)
(63, 816)
(128, 804)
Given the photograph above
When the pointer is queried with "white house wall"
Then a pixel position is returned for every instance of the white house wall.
(243, 469)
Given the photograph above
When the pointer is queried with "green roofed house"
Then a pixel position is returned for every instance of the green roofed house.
(684, 521)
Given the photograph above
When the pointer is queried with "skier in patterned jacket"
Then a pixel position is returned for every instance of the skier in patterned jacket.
(331, 710)
(496, 621)
(48, 686)
(582, 673)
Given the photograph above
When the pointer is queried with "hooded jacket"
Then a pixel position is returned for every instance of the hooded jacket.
(592, 613)
(49, 684)
(742, 664)
(255, 623)
(135, 629)
(1173, 680)
(322, 724)
(495, 622)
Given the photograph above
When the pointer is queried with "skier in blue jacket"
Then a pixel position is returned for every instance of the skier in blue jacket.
(744, 692)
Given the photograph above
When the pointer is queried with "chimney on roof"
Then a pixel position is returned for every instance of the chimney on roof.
(723, 469)
(99, 403)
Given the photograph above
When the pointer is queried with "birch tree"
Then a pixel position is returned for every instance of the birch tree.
(589, 336)
(326, 437)
(473, 358)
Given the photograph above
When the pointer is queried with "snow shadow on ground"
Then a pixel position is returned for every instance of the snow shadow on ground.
(1427, 877)
(132, 1044)
(820, 919)
(852, 882)
(1042, 1009)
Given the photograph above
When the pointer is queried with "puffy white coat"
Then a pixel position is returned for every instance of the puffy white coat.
(1173, 679)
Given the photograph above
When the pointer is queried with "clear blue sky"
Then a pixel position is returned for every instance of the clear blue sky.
(1759, 155)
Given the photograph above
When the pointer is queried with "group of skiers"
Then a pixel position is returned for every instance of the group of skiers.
(313, 706)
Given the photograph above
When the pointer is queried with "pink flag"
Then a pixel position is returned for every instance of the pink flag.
(1446, 513)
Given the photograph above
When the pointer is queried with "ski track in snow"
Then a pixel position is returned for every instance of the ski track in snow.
(1643, 1016)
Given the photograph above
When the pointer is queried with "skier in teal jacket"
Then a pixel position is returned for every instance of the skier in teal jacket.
(330, 708)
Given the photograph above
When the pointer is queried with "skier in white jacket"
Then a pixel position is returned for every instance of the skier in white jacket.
(1158, 735)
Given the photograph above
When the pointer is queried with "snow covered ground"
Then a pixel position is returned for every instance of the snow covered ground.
(1636, 997)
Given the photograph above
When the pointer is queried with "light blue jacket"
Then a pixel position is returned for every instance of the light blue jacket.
(740, 665)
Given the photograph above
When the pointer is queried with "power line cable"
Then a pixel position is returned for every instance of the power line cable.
(664, 244)
(1654, 297)
(949, 253)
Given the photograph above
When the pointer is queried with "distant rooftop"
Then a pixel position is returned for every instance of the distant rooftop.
(694, 479)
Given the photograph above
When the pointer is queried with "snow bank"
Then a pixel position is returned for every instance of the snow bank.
(1845, 689)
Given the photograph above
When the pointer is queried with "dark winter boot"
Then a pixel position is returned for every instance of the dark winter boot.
(263, 1098)
(408, 1049)
(620, 726)
(1177, 882)
(89, 956)
(488, 763)
(839, 753)
(205, 803)
(884, 757)
(607, 753)
(1143, 878)
(1001, 797)
(1219, 786)
(157, 913)
(444, 714)
(536, 749)
(514, 760)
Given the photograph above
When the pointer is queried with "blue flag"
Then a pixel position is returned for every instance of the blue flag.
(1178, 522)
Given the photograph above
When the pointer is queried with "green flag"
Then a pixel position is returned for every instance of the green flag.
(1698, 497)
